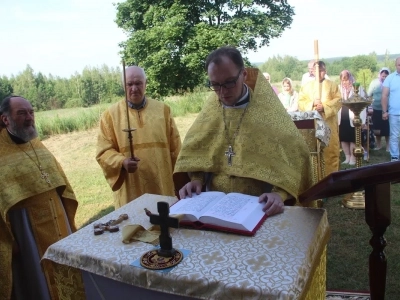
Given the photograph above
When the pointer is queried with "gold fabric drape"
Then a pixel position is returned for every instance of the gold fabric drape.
(156, 142)
(330, 98)
(49, 206)
(268, 147)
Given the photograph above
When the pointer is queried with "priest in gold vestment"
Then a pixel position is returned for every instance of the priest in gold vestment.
(156, 144)
(37, 207)
(243, 140)
(328, 105)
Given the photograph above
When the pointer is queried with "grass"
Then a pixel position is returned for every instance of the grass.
(53, 122)
(348, 248)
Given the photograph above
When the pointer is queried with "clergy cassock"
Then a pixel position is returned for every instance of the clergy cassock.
(269, 151)
(330, 98)
(37, 207)
(156, 143)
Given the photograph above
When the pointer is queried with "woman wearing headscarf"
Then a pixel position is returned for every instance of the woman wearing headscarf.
(347, 135)
(381, 127)
(289, 97)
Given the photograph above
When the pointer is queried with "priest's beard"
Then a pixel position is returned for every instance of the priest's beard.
(25, 131)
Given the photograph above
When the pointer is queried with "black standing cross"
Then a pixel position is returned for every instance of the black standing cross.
(165, 221)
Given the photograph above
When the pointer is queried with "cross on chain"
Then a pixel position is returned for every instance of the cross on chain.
(165, 221)
(45, 176)
(230, 154)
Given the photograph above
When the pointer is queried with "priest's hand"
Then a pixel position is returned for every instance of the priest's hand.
(273, 203)
(131, 164)
(319, 107)
(193, 186)
(317, 101)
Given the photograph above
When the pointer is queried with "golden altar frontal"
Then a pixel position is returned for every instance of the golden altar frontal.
(286, 259)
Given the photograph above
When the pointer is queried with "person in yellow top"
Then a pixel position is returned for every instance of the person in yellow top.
(243, 140)
(37, 207)
(156, 144)
(328, 105)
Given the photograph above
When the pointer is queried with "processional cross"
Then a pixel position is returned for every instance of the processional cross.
(165, 221)
(230, 154)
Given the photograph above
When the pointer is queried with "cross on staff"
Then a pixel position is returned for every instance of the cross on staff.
(129, 129)
(165, 221)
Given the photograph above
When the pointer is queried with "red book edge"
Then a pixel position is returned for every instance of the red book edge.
(200, 225)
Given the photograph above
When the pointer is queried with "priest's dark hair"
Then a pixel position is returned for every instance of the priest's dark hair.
(231, 52)
(5, 108)
(321, 64)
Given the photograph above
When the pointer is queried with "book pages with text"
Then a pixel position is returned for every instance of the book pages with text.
(193, 208)
(235, 210)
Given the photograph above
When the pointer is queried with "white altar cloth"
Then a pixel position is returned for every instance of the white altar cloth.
(277, 263)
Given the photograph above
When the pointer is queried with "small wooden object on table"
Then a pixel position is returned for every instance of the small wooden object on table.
(110, 226)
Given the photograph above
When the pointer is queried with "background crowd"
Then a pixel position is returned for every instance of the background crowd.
(374, 123)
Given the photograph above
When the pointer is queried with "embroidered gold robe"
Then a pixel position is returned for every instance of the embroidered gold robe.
(268, 147)
(156, 142)
(50, 207)
(330, 98)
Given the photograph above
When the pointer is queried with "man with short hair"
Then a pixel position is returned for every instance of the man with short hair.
(327, 104)
(243, 140)
(308, 76)
(156, 143)
(37, 207)
(391, 109)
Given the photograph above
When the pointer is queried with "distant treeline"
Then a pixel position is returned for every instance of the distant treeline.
(93, 86)
(103, 85)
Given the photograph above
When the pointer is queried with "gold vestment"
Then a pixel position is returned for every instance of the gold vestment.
(156, 142)
(268, 147)
(51, 207)
(330, 98)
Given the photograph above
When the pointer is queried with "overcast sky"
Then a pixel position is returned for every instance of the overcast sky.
(62, 37)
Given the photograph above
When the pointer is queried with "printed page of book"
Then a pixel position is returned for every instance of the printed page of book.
(236, 211)
(193, 208)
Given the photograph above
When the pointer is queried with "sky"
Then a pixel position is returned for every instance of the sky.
(62, 37)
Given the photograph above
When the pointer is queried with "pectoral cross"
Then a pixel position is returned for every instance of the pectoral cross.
(44, 175)
(165, 221)
(229, 153)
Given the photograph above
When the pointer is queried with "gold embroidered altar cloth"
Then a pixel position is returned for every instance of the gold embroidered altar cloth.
(284, 260)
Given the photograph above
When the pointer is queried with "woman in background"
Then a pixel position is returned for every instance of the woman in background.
(381, 127)
(289, 97)
(347, 135)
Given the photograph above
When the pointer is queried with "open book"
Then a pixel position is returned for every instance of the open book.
(233, 212)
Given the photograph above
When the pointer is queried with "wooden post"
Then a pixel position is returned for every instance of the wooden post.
(316, 57)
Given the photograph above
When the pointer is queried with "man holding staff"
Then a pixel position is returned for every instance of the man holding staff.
(156, 142)
(324, 96)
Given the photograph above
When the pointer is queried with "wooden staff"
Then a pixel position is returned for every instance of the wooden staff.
(316, 58)
(129, 129)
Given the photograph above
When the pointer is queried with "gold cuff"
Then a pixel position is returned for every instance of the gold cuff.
(197, 176)
(284, 195)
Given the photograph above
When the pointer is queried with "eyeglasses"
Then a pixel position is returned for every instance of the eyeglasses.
(227, 85)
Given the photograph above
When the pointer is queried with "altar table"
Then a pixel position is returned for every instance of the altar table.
(286, 259)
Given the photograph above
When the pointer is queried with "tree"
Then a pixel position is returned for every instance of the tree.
(360, 62)
(6, 88)
(170, 39)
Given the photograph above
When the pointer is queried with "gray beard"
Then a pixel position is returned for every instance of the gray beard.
(24, 133)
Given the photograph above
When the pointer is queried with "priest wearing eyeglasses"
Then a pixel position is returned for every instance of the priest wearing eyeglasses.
(243, 140)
